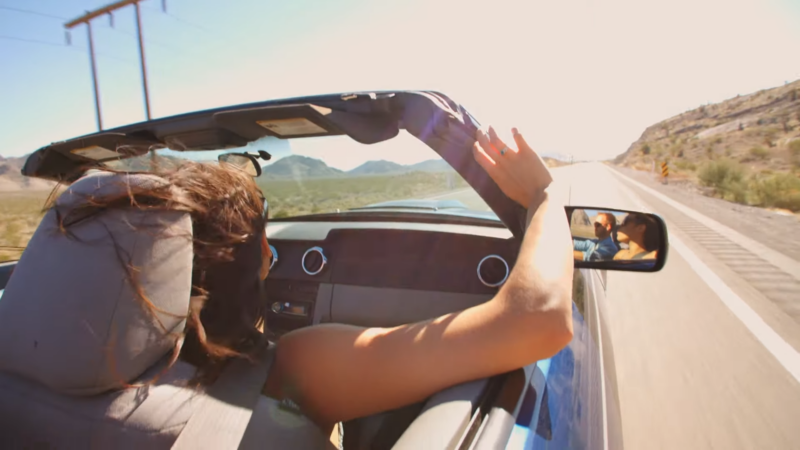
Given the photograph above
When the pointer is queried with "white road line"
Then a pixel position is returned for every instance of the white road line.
(786, 355)
(782, 262)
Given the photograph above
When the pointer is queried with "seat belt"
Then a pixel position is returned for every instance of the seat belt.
(221, 418)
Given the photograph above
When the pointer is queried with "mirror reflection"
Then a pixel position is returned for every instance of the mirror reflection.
(612, 235)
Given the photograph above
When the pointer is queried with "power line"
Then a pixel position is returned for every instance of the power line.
(35, 13)
(178, 19)
(65, 47)
(149, 41)
(186, 22)
(34, 41)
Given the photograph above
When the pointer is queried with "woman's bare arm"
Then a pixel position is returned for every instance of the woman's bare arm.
(339, 372)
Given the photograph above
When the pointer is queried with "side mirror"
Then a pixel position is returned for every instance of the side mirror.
(242, 161)
(613, 239)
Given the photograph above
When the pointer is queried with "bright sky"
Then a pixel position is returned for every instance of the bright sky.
(581, 77)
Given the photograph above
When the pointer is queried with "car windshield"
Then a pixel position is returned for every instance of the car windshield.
(310, 176)
(336, 174)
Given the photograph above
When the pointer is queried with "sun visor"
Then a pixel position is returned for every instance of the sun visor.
(66, 160)
(307, 120)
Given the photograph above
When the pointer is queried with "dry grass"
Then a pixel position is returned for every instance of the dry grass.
(734, 182)
(292, 198)
(20, 214)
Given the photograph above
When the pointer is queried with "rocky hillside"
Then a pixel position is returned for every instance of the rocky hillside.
(745, 149)
(759, 131)
(11, 180)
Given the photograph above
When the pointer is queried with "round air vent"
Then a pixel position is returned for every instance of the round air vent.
(274, 256)
(314, 261)
(493, 271)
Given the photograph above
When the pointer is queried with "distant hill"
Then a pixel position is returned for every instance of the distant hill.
(305, 167)
(431, 165)
(759, 130)
(12, 180)
(386, 167)
(297, 166)
(376, 167)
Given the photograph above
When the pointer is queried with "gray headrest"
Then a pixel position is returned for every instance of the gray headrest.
(69, 317)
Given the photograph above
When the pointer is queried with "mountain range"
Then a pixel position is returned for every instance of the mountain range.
(297, 166)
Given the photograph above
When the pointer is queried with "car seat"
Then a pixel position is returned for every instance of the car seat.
(74, 336)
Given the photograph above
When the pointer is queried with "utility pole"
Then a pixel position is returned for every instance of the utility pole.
(108, 10)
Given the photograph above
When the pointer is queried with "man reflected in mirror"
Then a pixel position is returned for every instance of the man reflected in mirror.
(601, 249)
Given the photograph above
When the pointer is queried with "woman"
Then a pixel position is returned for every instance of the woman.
(640, 232)
(337, 372)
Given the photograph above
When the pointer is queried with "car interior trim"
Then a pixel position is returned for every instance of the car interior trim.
(323, 261)
(318, 231)
(444, 419)
(499, 283)
(274, 256)
(389, 307)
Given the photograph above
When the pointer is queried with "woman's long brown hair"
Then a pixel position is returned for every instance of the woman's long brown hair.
(226, 208)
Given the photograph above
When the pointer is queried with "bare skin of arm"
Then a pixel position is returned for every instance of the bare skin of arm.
(339, 372)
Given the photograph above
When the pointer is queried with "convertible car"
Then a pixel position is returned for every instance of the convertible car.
(379, 216)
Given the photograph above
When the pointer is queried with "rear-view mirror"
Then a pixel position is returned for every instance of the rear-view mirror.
(613, 239)
(242, 161)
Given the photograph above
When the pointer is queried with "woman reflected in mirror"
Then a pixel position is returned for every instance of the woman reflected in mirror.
(641, 235)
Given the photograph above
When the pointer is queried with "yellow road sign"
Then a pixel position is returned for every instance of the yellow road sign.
(664, 169)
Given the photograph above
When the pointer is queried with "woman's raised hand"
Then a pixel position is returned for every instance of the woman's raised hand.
(519, 172)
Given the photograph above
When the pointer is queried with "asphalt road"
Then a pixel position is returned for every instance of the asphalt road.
(707, 349)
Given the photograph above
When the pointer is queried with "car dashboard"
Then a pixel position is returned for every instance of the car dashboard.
(381, 273)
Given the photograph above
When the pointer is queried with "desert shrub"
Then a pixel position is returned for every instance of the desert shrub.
(646, 149)
(686, 165)
(794, 152)
(794, 147)
(758, 153)
(779, 190)
(726, 177)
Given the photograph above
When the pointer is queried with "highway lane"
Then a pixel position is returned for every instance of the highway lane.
(696, 369)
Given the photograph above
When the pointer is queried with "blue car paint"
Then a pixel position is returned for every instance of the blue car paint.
(571, 379)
